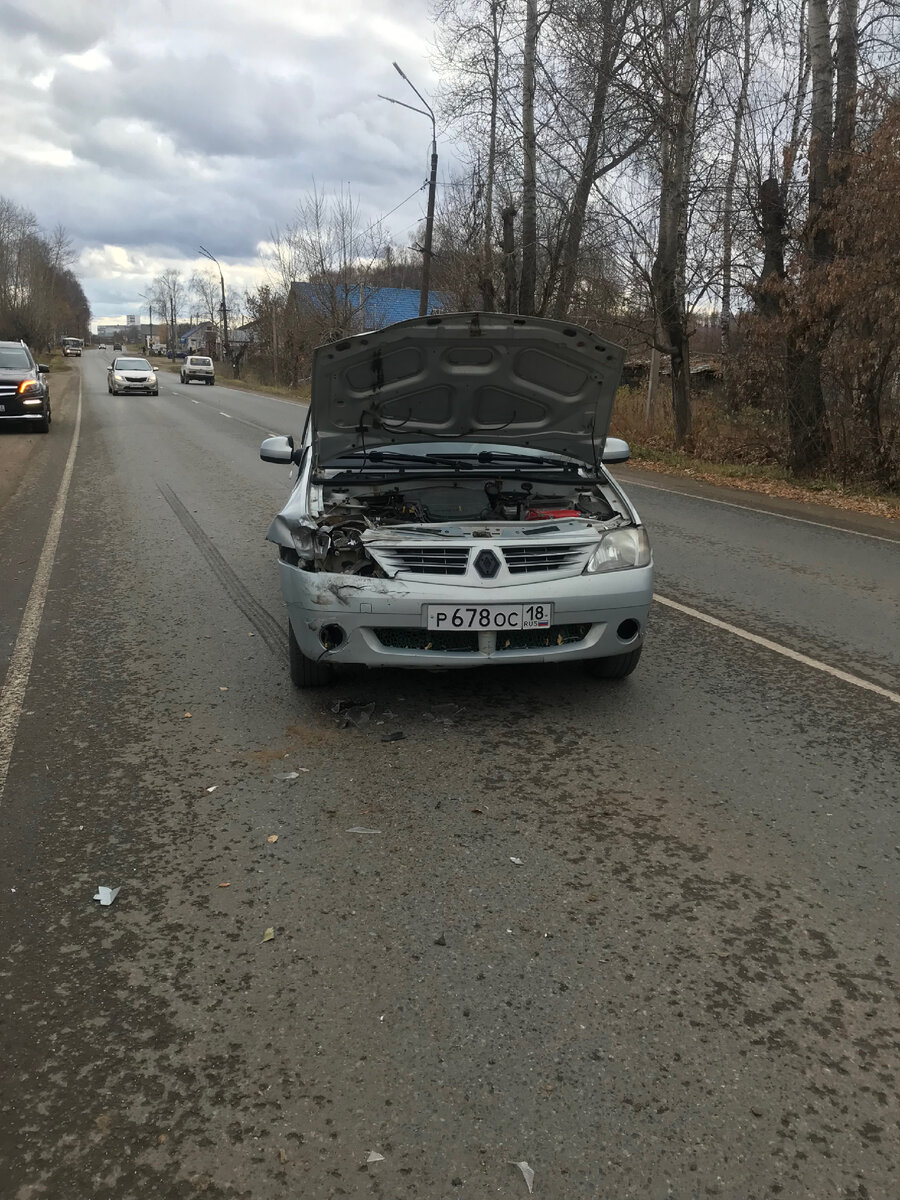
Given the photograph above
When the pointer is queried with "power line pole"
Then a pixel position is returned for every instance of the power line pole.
(432, 186)
(226, 347)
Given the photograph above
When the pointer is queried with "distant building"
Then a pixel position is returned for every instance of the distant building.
(202, 339)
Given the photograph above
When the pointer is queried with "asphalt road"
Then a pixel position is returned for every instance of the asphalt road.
(685, 988)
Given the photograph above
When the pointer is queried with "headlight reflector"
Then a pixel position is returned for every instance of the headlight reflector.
(619, 550)
(27, 386)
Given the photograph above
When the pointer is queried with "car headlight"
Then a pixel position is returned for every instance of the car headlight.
(29, 386)
(151, 379)
(619, 550)
(119, 378)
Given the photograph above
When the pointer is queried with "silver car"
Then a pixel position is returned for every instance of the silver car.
(452, 508)
(131, 375)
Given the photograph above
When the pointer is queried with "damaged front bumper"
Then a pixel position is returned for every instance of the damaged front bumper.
(361, 620)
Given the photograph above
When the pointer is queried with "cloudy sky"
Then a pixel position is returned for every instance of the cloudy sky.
(148, 127)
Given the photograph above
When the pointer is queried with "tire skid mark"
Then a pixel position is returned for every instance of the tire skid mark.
(265, 624)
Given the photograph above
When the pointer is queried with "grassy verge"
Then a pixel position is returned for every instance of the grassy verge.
(741, 451)
(767, 480)
(299, 395)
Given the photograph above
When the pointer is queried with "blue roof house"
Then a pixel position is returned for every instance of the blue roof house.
(363, 307)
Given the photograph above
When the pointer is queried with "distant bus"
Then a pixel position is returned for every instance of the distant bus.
(72, 347)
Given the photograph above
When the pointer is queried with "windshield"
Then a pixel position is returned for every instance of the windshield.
(14, 359)
(132, 364)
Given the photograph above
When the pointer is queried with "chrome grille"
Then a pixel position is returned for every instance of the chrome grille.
(8, 389)
(521, 560)
(426, 560)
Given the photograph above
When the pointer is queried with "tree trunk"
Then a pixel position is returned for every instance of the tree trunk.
(807, 423)
(528, 278)
(728, 208)
(676, 152)
(586, 178)
(508, 216)
(847, 71)
(488, 299)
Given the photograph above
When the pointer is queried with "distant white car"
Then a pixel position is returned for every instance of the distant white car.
(197, 366)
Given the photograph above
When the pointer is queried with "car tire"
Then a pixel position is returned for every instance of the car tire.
(155, 393)
(305, 672)
(615, 666)
(210, 382)
(44, 426)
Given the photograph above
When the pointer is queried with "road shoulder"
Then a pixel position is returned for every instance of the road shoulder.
(820, 514)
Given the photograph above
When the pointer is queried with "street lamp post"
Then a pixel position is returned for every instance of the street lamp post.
(144, 296)
(432, 185)
(206, 254)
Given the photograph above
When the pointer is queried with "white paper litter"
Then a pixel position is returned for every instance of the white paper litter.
(358, 829)
(374, 1156)
(518, 861)
(213, 788)
(527, 1173)
(106, 895)
(289, 775)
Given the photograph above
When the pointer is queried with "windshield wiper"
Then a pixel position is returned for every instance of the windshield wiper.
(442, 460)
(491, 456)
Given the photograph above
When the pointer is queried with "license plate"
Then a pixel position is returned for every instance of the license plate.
(486, 617)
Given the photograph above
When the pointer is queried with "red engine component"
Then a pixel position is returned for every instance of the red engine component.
(550, 514)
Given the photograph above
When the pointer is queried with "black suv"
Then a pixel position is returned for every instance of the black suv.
(24, 390)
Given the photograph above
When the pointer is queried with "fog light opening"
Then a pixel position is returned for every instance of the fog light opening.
(628, 630)
(332, 636)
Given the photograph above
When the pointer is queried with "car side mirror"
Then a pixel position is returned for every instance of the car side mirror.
(43, 368)
(615, 451)
(277, 450)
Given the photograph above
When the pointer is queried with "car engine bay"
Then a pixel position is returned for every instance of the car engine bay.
(352, 515)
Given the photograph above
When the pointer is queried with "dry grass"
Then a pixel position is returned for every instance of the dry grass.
(746, 452)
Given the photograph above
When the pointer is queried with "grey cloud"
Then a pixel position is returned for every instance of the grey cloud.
(208, 122)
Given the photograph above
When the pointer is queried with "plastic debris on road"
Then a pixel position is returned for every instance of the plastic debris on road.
(374, 1156)
(269, 935)
(527, 1173)
(286, 776)
(399, 736)
(272, 839)
(106, 895)
(352, 712)
(441, 941)
(213, 788)
(359, 829)
(518, 861)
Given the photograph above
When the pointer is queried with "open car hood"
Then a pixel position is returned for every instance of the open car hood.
(492, 378)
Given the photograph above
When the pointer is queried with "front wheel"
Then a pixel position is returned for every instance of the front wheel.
(306, 672)
(616, 666)
(210, 382)
(156, 393)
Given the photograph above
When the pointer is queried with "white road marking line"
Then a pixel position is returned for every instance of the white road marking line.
(228, 415)
(786, 651)
(13, 693)
(194, 401)
(765, 511)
